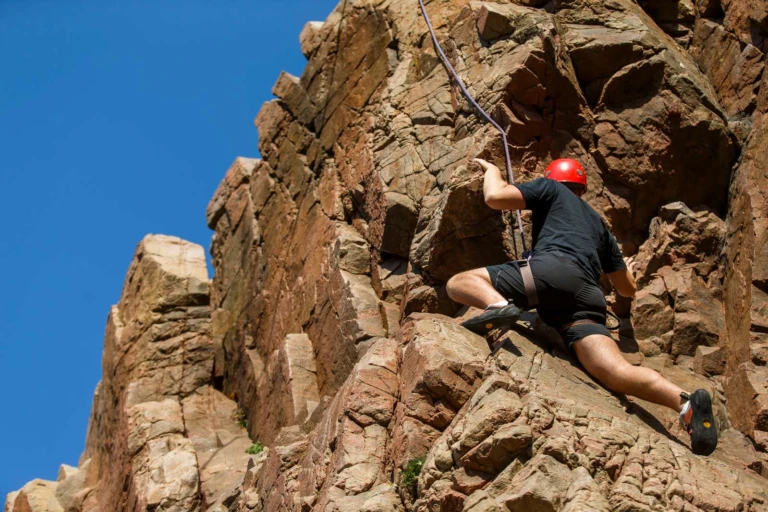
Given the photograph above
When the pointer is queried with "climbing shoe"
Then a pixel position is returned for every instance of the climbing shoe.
(697, 419)
(493, 318)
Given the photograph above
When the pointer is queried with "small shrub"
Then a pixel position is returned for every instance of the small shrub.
(241, 418)
(410, 474)
(255, 449)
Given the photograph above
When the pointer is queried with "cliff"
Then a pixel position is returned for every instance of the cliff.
(326, 333)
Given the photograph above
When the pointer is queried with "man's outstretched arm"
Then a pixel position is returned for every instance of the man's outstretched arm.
(499, 195)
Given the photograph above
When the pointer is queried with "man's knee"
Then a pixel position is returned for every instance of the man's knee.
(602, 359)
(453, 286)
(462, 280)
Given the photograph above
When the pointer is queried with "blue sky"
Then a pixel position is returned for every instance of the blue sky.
(117, 119)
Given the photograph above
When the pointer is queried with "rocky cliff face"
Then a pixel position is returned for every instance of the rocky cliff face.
(326, 333)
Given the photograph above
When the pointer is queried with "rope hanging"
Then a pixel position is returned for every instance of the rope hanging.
(474, 103)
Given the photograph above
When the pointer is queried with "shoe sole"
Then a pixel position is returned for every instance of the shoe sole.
(483, 327)
(702, 427)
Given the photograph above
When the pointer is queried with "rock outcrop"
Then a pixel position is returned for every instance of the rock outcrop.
(326, 333)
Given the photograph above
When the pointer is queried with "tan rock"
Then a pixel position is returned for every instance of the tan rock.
(301, 374)
(10, 499)
(37, 496)
(389, 279)
(71, 486)
(157, 349)
(310, 37)
(584, 494)
(760, 354)
(219, 442)
(541, 486)
(65, 471)
(352, 251)
(497, 451)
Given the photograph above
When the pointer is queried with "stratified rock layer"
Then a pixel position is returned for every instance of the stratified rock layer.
(327, 331)
(160, 436)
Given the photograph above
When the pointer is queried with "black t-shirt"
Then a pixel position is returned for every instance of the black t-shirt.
(563, 222)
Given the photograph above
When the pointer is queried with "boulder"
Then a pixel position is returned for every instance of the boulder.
(709, 361)
(37, 496)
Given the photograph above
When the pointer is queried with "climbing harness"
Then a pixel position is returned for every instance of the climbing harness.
(528, 283)
(483, 113)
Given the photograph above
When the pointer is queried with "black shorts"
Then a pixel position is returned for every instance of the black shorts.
(566, 294)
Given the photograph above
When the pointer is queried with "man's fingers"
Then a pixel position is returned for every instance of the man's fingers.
(484, 164)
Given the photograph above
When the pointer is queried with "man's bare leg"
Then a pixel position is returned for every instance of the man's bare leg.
(602, 359)
(473, 288)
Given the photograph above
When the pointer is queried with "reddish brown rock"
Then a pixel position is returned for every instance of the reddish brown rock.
(329, 295)
(458, 233)
(733, 68)
(748, 398)
(747, 19)
(709, 361)
(331, 253)
(678, 307)
(441, 367)
(576, 437)
(683, 238)
(746, 277)
(355, 426)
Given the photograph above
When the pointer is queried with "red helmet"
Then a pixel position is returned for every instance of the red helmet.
(566, 170)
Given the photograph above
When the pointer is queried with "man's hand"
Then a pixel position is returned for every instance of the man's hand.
(624, 280)
(485, 165)
(631, 265)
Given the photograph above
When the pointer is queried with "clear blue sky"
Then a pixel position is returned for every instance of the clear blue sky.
(117, 119)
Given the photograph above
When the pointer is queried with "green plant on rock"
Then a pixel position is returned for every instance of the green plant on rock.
(255, 449)
(241, 418)
(410, 474)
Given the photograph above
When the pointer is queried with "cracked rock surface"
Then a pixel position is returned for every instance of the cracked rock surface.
(326, 333)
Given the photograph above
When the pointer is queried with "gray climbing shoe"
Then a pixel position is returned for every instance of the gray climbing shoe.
(492, 318)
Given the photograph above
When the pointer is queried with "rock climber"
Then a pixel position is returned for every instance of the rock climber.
(572, 247)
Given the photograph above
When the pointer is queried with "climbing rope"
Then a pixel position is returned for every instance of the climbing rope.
(479, 109)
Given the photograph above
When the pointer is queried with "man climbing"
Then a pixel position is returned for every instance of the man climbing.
(572, 248)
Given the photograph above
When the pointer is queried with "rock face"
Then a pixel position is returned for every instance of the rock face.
(326, 333)
(160, 436)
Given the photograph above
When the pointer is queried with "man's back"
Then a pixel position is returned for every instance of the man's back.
(564, 223)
